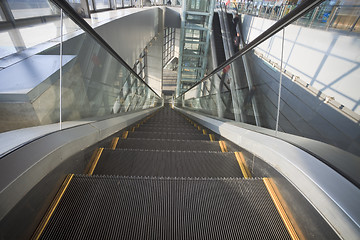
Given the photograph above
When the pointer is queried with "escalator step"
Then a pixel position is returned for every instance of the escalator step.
(197, 135)
(168, 120)
(136, 162)
(109, 207)
(168, 144)
(189, 129)
(167, 125)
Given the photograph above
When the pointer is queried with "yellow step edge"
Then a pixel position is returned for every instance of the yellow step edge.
(93, 156)
(241, 161)
(125, 134)
(52, 207)
(212, 137)
(95, 161)
(223, 146)
(270, 187)
(204, 131)
(199, 128)
(114, 143)
(244, 162)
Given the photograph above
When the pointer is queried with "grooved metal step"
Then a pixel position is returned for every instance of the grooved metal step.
(168, 125)
(168, 120)
(168, 144)
(101, 207)
(168, 135)
(188, 129)
(136, 162)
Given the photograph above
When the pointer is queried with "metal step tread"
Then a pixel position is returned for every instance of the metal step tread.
(112, 207)
(166, 144)
(167, 135)
(137, 162)
(188, 129)
(169, 125)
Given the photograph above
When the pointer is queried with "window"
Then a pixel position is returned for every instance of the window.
(34, 8)
(91, 6)
(169, 45)
(127, 3)
(102, 4)
(119, 3)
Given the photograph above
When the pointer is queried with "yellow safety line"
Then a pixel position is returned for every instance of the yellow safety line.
(223, 146)
(93, 156)
(245, 165)
(199, 128)
(195, 125)
(138, 125)
(280, 209)
(94, 163)
(125, 134)
(204, 131)
(114, 143)
(52, 207)
(241, 161)
(212, 137)
(133, 129)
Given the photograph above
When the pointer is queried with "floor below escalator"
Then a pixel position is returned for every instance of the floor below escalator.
(166, 177)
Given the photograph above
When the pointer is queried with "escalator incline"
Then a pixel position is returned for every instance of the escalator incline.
(164, 178)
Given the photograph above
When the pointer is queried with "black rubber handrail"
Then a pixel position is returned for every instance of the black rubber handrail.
(73, 15)
(271, 31)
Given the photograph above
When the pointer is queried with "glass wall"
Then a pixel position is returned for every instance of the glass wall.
(169, 45)
(26, 9)
(342, 15)
(119, 3)
(127, 3)
(198, 5)
(45, 85)
(101, 4)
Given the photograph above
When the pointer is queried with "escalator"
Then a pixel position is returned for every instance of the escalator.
(219, 45)
(166, 177)
(232, 29)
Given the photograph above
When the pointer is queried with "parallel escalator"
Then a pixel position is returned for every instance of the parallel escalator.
(219, 45)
